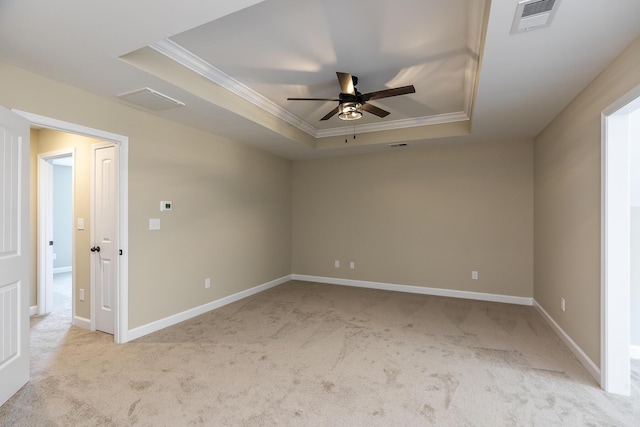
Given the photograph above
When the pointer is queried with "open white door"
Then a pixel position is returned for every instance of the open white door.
(105, 235)
(45, 236)
(14, 253)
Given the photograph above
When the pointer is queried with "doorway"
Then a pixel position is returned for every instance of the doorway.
(617, 144)
(55, 243)
(120, 300)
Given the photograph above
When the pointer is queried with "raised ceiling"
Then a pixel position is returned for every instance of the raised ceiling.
(474, 80)
(286, 48)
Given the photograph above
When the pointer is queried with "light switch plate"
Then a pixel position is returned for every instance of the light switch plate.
(80, 223)
(154, 223)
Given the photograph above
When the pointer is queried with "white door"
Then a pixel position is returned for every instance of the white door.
(15, 253)
(105, 235)
(45, 236)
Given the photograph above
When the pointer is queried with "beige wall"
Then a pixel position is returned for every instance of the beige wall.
(232, 204)
(48, 141)
(567, 204)
(423, 217)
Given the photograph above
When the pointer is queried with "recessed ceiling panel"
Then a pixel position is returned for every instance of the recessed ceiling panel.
(288, 48)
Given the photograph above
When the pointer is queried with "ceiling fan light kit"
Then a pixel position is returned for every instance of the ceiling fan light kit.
(349, 111)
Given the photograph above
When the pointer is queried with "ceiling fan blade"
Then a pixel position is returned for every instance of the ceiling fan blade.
(330, 114)
(346, 83)
(374, 110)
(312, 99)
(387, 93)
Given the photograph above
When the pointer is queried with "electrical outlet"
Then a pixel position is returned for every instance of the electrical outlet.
(81, 294)
(352, 265)
(474, 275)
(336, 264)
(562, 304)
(207, 283)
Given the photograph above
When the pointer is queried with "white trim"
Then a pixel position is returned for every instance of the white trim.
(81, 322)
(397, 124)
(614, 246)
(479, 296)
(193, 62)
(184, 57)
(122, 291)
(62, 270)
(582, 357)
(634, 351)
(33, 310)
(196, 311)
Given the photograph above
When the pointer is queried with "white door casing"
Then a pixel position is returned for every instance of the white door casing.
(15, 253)
(615, 244)
(122, 293)
(104, 231)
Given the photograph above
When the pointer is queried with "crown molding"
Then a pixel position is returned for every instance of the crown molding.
(398, 124)
(186, 58)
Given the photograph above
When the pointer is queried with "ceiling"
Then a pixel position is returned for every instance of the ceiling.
(234, 63)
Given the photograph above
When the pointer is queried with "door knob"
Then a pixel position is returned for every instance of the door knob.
(95, 249)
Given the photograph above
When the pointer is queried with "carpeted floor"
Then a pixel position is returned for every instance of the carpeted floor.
(315, 354)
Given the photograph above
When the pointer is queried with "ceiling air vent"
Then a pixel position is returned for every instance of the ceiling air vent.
(151, 99)
(533, 14)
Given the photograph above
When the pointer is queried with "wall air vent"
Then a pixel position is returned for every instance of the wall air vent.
(533, 14)
(151, 99)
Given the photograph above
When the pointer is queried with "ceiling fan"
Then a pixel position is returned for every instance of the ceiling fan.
(352, 103)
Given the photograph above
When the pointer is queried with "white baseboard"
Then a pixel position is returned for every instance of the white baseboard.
(575, 348)
(33, 310)
(634, 351)
(417, 289)
(81, 322)
(141, 331)
(62, 270)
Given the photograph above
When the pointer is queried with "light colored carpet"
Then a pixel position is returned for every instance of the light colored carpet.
(315, 354)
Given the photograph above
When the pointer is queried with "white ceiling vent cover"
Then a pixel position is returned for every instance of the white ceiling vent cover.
(151, 99)
(534, 14)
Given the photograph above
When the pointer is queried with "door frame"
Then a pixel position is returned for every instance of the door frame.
(122, 286)
(615, 370)
(44, 290)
